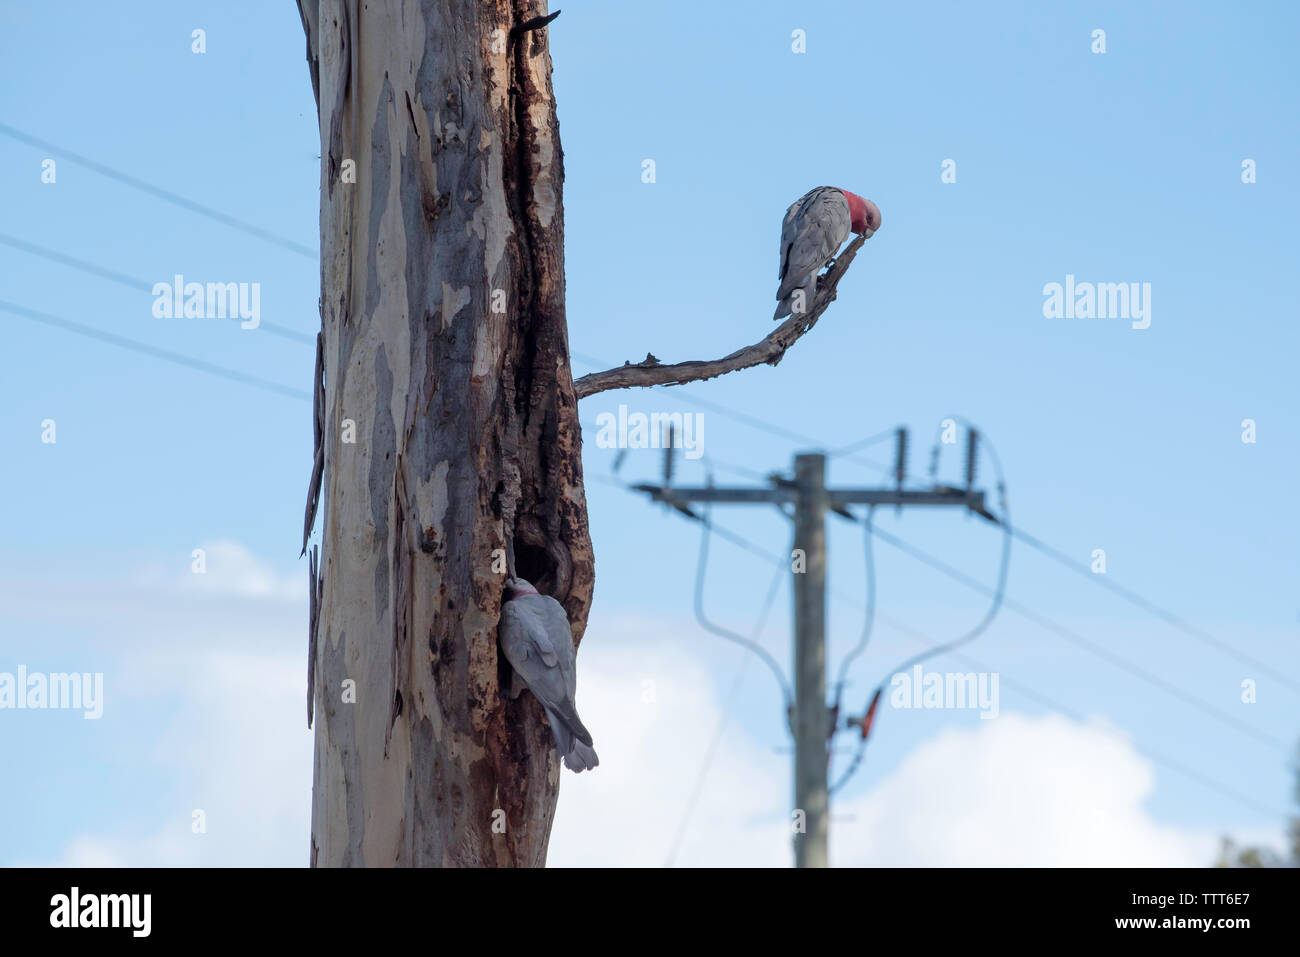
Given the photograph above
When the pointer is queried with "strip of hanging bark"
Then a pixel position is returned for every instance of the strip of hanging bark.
(309, 12)
(313, 616)
(318, 429)
(771, 349)
(536, 23)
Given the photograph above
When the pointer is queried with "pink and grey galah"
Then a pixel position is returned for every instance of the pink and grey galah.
(535, 636)
(815, 226)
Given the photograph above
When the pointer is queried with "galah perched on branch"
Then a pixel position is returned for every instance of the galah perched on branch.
(815, 227)
(535, 636)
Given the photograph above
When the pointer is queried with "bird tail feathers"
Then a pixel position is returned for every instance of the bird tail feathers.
(561, 732)
(572, 741)
(787, 302)
(580, 757)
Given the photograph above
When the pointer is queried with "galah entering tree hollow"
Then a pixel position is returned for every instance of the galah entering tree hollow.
(815, 227)
(535, 636)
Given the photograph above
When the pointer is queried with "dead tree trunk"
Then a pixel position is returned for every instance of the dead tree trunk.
(446, 425)
(447, 429)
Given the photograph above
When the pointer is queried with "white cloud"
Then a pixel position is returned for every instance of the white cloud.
(1014, 791)
(239, 751)
(230, 569)
(218, 664)
(1017, 790)
(627, 811)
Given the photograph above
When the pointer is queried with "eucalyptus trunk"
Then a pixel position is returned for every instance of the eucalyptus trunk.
(447, 429)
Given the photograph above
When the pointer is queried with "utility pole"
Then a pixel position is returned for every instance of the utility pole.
(812, 723)
(810, 718)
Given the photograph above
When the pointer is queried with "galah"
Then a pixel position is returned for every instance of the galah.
(815, 227)
(535, 636)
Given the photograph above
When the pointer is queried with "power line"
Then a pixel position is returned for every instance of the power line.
(754, 422)
(745, 418)
(749, 644)
(167, 356)
(811, 725)
(1132, 596)
(160, 193)
(999, 595)
(130, 282)
(266, 385)
(1167, 616)
(1030, 692)
(1000, 590)
(862, 444)
(752, 646)
(1076, 639)
(1191, 773)
(702, 564)
(740, 470)
(999, 598)
(728, 536)
(869, 616)
(1124, 592)
(733, 694)
(65, 260)
(1056, 706)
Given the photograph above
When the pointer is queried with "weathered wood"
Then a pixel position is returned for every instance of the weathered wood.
(318, 445)
(444, 342)
(444, 351)
(771, 349)
(313, 617)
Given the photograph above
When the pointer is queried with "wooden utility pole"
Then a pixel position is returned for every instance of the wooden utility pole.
(811, 734)
(812, 723)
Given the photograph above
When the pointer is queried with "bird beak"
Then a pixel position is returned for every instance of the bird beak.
(868, 232)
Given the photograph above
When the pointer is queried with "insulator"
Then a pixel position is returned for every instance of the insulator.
(972, 446)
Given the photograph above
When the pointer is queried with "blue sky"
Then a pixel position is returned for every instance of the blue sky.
(1115, 167)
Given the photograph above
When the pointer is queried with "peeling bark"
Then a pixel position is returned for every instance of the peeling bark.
(466, 429)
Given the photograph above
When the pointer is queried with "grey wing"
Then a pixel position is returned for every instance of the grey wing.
(815, 228)
(790, 232)
(555, 622)
(541, 651)
(517, 627)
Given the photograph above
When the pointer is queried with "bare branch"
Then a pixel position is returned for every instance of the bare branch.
(771, 349)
